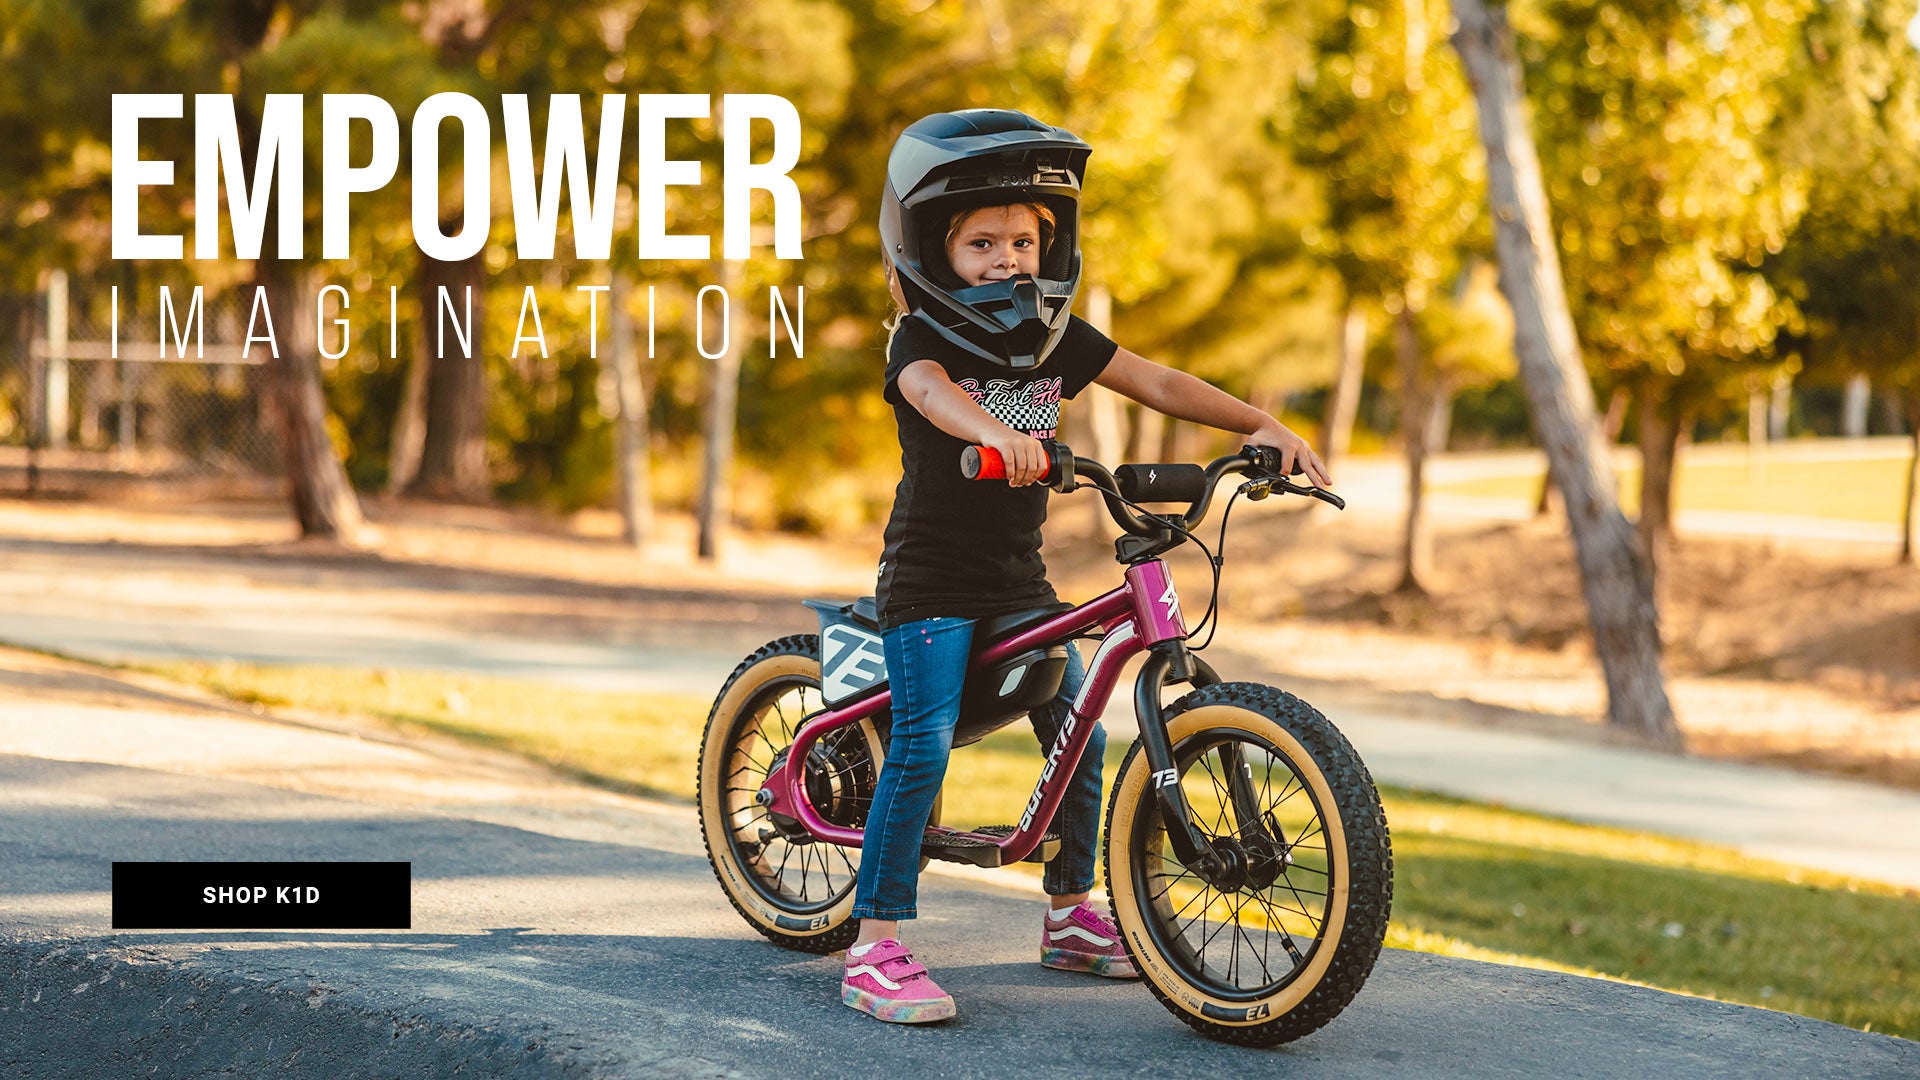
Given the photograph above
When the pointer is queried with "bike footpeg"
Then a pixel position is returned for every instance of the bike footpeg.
(1045, 851)
(979, 847)
(952, 845)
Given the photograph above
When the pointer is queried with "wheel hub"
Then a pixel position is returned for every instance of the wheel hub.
(840, 790)
(1230, 865)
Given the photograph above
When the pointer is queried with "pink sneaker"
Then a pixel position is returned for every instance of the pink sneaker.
(888, 984)
(1085, 940)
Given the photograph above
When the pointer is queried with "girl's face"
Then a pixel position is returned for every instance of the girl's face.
(994, 243)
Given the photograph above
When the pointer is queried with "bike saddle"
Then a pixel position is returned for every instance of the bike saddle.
(995, 628)
(866, 612)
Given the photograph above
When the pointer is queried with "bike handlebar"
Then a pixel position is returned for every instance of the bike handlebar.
(1190, 484)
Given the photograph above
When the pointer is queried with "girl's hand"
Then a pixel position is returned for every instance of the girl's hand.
(1293, 449)
(1025, 458)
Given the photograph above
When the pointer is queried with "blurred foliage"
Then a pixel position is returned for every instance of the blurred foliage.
(1652, 118)
(1851, 125)
(1735, 187)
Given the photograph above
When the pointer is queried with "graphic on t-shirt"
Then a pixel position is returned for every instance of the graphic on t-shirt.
(1030, 407)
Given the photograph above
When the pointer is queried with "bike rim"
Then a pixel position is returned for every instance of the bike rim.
(1249, 943)
(803, 878)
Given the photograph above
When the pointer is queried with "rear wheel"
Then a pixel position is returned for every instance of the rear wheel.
(794, 889)
(1279, 942)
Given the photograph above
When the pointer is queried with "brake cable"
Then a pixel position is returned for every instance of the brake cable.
(1213, 561)
(1218, 561)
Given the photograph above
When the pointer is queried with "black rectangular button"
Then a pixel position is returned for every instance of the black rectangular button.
(262, 895)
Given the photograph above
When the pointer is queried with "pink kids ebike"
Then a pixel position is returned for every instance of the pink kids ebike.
(1247, 857)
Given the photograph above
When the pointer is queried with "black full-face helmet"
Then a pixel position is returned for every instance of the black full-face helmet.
(949, 162)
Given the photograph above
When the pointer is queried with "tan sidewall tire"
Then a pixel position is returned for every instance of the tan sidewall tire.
(715, 811)
(1131, 787)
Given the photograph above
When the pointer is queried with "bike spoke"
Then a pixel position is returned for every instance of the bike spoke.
(1279, 926)
(1204, 890)
(1315, 923)
(1242, 931)
(1168, 887)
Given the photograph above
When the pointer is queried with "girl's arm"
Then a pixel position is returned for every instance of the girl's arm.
(1185, 397)
(925, 386)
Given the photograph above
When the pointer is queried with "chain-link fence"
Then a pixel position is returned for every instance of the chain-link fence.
(172, 394)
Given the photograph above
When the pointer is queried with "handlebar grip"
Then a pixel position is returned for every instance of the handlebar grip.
(1161, 483)
(983, 463)
(1268, 458)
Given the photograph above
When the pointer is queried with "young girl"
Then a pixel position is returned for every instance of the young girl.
(980, 226)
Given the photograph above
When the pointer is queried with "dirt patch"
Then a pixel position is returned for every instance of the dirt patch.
(1777, 652)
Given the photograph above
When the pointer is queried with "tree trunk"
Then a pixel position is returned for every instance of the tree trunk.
(632, 438)
(723, 390)
(1890, 415)
(1147, 435)
(1439, 412)
(1343, 400)
(1416, 540)
(1615, 579)
(1910, 513)
(323, 501)
(1659, 440)
(1616, 420)
(1543, 505)
(1853, 408)
(453, 451)
(1779, 407)
(410, 419)
(1106, 419)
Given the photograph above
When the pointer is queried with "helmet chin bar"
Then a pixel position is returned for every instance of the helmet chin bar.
(1008, 302)
(1024, 316)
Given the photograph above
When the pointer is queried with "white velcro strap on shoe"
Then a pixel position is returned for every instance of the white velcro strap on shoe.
(869, 969)
(1080, 932)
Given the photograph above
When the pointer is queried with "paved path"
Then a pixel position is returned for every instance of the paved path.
(111, 603)
(1378, 483)
(560, 930)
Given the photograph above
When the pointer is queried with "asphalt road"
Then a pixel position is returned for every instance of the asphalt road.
(565, 932)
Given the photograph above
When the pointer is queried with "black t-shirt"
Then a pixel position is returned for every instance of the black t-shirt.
(971, 548)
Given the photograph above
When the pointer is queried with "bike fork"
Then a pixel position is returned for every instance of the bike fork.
(1165, 661)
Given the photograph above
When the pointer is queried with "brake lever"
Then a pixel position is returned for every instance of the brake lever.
(1311, 491)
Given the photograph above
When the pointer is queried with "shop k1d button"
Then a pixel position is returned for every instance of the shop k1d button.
(262, 895)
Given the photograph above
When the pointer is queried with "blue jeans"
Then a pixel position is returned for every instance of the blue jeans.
(926, 666)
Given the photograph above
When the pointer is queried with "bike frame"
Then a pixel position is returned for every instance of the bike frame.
(1142, 615)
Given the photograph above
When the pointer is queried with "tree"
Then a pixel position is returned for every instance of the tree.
(1384, 117)
(452, 395)
(1614, 577)
(1653, 150)
(1851, 124)
(324, 502)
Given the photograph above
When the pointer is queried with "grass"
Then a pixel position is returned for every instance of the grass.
(1472, 880)
(1868, 490)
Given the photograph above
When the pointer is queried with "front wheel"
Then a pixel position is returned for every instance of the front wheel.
(1281, 941)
